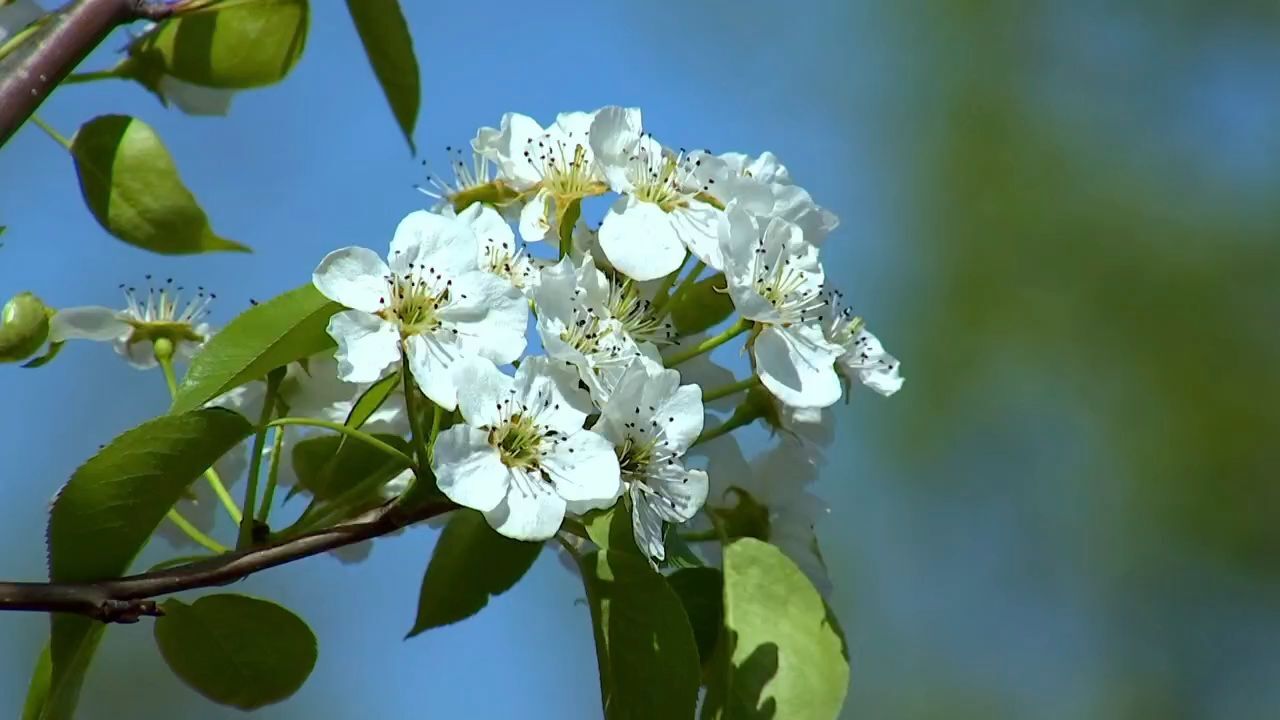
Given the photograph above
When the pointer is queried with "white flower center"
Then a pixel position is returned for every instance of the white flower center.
(662, 179)
(786, 289)
(506, 261)
(636, 314)
(414, 299)
(567, 172)
(163, 314)
(466, 177)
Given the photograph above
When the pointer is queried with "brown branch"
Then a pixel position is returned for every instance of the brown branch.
(126, 599)
(34, 68)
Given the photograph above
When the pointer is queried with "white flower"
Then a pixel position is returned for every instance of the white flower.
(659, 214)
(762, 186)
(863, 359)
(433, 301)
(768, 498)
(594, 325)
(194, 99)
(775, 280)
(521, 457)
(559, 161)
(467, 177)
(499, 253)
(134, 330)
(652, 421)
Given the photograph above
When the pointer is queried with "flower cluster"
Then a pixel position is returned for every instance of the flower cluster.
(598, 414)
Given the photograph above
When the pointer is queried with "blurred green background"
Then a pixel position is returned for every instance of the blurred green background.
(1064, 217)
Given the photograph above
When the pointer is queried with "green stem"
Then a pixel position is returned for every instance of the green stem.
(411, 408)
(661, 295)
(704, 536)
(568, 219)
(84, 77)
(338, 427)
(48, 129)
(194, 533)
(724, 428)
(164, 357)
(273, 476)
(12, 43)
(255, 459)
(730, 389)
(711, 343)
(437, 419)
(684, 286)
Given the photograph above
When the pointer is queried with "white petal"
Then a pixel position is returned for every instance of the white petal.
(87, 323)
(537, 218)
(550, 389)
(140, 354)
(195, 99)
(873, 367)
(468, 470)
(640, 239)
(367, 345)
(353, 276)
(554, 296)
(489, 315)
(432, 360)
(797, 367)
(681, 417)
(584, 469)
(646, 524)
(430, 240)
(516, 134)
(681, 492)
(481, 386)
(697, 226)
(530, 511)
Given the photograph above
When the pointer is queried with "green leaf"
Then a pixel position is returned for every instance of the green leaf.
(389, 47)
(264, 337)
(703, 305)
(242, 45)
(236, 650)
(781, 656)
(611, 529)
(104, 515)
(645, 648)
(38, 692)
(471, 563)
(371, 399)
(134, 191)
(329, 468)
(701, 591)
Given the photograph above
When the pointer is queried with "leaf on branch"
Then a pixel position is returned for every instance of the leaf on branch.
(782, 654)
(471, 563)
(267, 336)
(372, 399)
(389, 47)
(243, 45)
(349, 473)
(236, 650)
(702, 306)
(645, 649)
(133, 189)
(701, 590)
(105, 514)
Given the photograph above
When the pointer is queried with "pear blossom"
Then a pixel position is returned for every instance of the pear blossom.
(468, 177)
(769, 498)
(499, 253)
(595, 325)
(775, 280)
(658, 214)
(431, 300)
(652, 420)
(521, 456)
(863, 358)
(763, 187)
(162, 313)
(558, 164)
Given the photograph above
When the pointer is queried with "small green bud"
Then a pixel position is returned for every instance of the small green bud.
(702, 305)
(24, 327)
(496, 193)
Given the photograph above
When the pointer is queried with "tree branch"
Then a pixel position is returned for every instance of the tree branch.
(34, 68)
(126, 599)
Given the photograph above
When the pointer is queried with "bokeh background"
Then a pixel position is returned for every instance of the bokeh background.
(1062, 216)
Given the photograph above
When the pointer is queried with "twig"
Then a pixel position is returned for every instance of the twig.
(34, 68)
(126, 599)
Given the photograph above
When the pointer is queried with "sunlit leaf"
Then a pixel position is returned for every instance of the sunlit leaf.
(781, 654)
(236, 650)
(104, 515)
(132, 187)
(243, 45)
(471, 563)
(264, 337)
(389, 47)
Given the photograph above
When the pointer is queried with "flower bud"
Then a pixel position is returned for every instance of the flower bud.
(24, 327)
